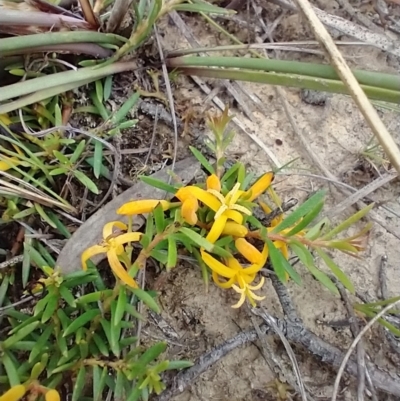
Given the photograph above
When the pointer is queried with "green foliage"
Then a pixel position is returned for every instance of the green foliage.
(81, 333)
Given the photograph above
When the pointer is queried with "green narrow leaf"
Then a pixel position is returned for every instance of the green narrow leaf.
(66, 294)
(36, 257)
(120, 307)
(99, 382)
(78, 151)
(46, 254)
(281, 265)
(61, 158)
(172, 253)
(19, 335)
(57, 116)
(10, 368)
(133, 312)
(99, 90)
(300, 212)
(159, 219)
(119, 386)
(146, 298)
(177, 365)
(86, 181)
(62, 229)
(40, 343)
(314, 232)
(307, 219)
(97, 158)
(4, 287)
(154, 182)
(79, 384)
(197, 239)
(125, 108)
(107, 87)
(51, 307)
(201, 8)
(308, 261)
(44, 215)
(349, 222)
(101, 345)
(340, 275)
(81, 321)
(58, 171)
(232, 172)
(126, 342)
(152, 353)
(99, 105)
(203, 161)
(160, 256)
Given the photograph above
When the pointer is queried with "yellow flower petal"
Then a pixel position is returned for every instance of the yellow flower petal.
(216, 229)
(260, 186)
(216, 265)
(222, 284)
(189, 209)
(127, 237)
(119, 270)
(203, 196)
(234, 215)
(234, 264)
(142, 206)
(213, 182)
(249, 251)
(242, 297)
(257, 286)
(233, 195)
(108, 228)
(235, 229)
(90, 252)
(52, 395)
(9, 162)
(14, 394)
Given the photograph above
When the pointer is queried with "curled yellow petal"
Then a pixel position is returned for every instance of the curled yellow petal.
(249, 251)
(14, 394)
(189, 209)
(234, 215)
(222, 284)
(108, 228)
(119, 270)
(213, 182)
(216, 265)
(142, 206)
(260, 186)
(52, 395)
(127, 237)
(235, 229)
(90, 252)
(203, 196)
(257, 286)
(216, 229)
(242, 293)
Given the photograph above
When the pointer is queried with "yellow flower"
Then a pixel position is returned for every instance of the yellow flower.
(113, 246)
(260, 186)
(142, 206)
(52, 395)
(235, 273)
(213, 182)
(14, 394)
(246, 291)
(249, 251)
(235, 229)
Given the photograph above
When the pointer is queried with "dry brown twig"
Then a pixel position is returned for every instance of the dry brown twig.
(346, 75)
(354, 345)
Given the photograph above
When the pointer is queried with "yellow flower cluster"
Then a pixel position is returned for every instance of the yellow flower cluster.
(16, 393)
(229, 210)
(228, 220)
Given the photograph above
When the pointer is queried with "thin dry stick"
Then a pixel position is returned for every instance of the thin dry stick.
(354, 345)
(170, 99)
(261, 312)
(346, 75)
